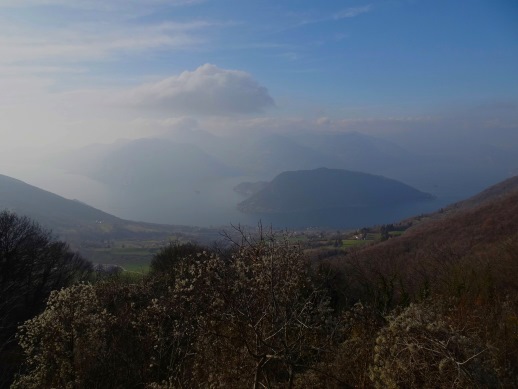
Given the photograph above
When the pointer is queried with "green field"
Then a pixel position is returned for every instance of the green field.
(353, 242)
(131, 259)
(298, 238)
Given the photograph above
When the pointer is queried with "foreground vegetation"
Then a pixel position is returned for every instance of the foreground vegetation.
(32, 265)
(434, 307)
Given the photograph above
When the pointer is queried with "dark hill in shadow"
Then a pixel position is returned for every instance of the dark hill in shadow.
(327, 189)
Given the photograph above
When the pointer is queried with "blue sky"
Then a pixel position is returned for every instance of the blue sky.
(94, 71)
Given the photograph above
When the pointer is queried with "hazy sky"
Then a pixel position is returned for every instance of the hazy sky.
(79, 71)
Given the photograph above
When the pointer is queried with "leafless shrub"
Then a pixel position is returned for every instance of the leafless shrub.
(419, 348)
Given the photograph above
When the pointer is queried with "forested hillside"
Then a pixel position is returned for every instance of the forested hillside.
(468, 251)
(435, 307)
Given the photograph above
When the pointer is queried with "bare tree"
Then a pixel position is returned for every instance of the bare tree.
(32, 264)
(269, 317)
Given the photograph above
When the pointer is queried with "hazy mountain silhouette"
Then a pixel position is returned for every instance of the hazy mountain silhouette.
(147, 163)
(189, 171)
(77, 222)
(323, 189)
(266, 155)
(46, 207)
(250, 188)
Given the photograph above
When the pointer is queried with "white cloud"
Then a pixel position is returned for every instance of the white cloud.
(71, 118)
(95, 41)
(346, 13)
(294, 124)
(103, 5)
(352, 12)
(81, 32)
(208, 90)
(182, 123)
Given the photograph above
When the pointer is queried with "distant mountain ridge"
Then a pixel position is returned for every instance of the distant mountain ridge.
(161, 178)
(77, 222)
(186, 168)
(323, 188)
(148, 162)
(46, 207)
(250, 188)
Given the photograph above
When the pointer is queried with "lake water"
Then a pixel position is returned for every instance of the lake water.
(210, 203)
(215, 205)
